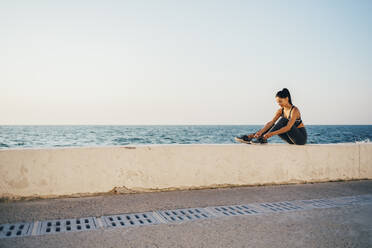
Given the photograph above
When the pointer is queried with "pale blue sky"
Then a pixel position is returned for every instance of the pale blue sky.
(184, 62)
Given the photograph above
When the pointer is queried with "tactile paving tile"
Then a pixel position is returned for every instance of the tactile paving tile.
(365, 199)
(350, 200)
(127, 220)
(185, 214)
(232, 210)
(318, 203)
(284, 206)
(11, 230)
(67, 225)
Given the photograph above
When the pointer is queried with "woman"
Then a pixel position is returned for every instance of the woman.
(290, 127)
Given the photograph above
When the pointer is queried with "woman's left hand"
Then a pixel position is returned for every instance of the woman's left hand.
(267, 135)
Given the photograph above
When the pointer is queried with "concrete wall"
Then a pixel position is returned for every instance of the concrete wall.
(91, 170)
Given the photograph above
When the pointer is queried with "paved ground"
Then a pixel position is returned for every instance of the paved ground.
(347, 226)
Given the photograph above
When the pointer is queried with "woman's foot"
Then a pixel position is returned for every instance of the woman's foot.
(260, 140)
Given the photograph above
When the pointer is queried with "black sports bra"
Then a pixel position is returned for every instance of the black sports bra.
(298, 120)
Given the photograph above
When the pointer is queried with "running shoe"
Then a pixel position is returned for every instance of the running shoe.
(244, 138)
(259, 140)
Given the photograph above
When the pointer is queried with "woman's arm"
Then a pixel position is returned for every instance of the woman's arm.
(295, 114)
(269, 124)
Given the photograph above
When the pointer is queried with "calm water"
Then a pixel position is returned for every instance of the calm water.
(85, 135)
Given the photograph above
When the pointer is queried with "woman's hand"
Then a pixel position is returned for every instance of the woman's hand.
(267, 135)
(258, 134)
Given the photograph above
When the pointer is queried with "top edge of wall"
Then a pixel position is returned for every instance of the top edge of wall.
(173, 145)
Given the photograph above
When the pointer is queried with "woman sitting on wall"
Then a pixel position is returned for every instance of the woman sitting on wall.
(290, 127)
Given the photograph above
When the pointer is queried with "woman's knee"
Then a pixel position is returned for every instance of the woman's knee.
(278, 125)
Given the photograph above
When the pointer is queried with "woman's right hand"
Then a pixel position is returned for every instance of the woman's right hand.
(258, 134)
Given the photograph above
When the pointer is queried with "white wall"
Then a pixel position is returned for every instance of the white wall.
(90, 170)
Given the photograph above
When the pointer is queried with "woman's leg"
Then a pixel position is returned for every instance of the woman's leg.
(281, 123)
(284, 136)
(297, 135)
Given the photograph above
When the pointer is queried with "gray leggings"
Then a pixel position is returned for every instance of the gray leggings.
(297, 136)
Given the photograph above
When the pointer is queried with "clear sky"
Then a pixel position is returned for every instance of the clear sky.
(184, 62)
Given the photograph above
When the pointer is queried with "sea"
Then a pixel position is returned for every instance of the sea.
(44, 136)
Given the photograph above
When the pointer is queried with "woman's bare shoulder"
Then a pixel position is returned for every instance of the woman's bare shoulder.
(296, 111)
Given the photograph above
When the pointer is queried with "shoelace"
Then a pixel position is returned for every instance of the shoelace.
(260, 140)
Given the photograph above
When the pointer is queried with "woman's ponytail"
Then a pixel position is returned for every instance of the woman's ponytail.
(285, 93)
